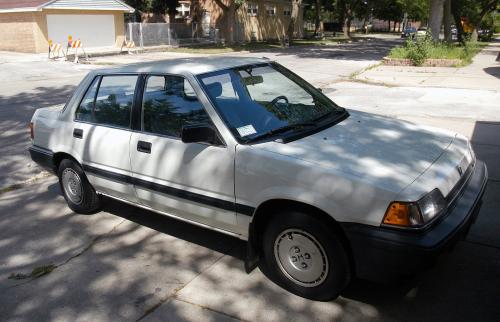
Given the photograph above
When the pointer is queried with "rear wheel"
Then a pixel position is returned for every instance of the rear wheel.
(303, 255)
(77, 190)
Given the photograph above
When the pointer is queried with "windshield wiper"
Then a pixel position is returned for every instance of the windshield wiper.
(283, 129)
(327, 115)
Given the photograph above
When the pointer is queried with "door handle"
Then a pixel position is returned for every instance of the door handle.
(78, 133)
(144, 147)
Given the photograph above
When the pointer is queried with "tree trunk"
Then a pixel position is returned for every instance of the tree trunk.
(435, 18)
(317, 23)
(293, 19)
(447, 20)
(389, 24)
(347, 25)
(231, 20)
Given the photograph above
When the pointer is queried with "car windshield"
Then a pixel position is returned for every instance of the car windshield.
(266, 99)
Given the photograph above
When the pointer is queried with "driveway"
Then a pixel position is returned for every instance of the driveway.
(125, 264)
(29, 81)
(128, 264)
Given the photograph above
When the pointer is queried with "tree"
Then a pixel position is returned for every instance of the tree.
(317, 21)
(229, 9)
(435, 18)
(389, 10)
(161, 7)
(474, 10)
(417, 10)
(293, 19)
(447, 20)
(348, 10)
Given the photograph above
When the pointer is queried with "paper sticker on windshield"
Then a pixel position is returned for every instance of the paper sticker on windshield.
(246, 130)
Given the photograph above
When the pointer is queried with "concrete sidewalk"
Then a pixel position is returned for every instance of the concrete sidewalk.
(483, 73)
(128, 264)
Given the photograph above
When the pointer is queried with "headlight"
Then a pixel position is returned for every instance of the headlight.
(415, 214)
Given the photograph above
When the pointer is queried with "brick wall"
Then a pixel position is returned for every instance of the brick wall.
(260, 27)
(27, 31)
(17, 32)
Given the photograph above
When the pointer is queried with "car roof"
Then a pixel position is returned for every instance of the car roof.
(184, 66)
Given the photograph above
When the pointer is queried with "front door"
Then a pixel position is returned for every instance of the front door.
(101, 134)
(190, 180)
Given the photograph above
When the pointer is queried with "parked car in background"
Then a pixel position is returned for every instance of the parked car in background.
(245, 147)
(454, 32)
(485, 34)
(421, 32)
(409, 32)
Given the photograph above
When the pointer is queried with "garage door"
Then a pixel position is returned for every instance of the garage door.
(92, 30)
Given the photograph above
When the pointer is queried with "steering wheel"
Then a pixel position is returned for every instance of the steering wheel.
(268, 118)
(279, 98)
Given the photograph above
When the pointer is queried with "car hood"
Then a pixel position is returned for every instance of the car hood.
(385, 152)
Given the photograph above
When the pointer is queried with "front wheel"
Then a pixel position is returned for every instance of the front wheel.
(77, 190)
(303, 255)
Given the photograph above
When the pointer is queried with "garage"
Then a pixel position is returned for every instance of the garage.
(28, 25)
(92, 30)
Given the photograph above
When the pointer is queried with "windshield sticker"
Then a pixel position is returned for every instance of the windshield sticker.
(246, 130)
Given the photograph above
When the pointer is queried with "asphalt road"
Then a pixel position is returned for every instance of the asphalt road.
(125, 263)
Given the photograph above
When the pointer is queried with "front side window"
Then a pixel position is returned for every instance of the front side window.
(108, 101)
(287, 11)
(169, 103)
(255, 100)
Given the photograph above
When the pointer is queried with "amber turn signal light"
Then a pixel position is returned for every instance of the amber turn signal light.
(397, 214)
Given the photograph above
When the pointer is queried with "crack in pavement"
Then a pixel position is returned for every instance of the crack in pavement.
(19, 185)
(210, 309)
(81, 252)
(164, 300)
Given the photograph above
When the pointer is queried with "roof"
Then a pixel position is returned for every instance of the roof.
(39, 5)
(183, 66)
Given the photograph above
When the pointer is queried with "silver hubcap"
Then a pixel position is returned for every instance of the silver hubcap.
(72, 185)
(301, 257)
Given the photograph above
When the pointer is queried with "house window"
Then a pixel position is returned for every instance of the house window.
(252, 9)
(271, 10)
(183, 10)
(287, 11)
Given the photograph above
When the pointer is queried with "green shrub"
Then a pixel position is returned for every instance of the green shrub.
(422, 48)
(419, 50)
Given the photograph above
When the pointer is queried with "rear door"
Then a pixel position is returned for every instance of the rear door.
(190, 180)
(101, 134)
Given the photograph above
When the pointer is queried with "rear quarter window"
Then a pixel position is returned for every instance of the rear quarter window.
(108, 101)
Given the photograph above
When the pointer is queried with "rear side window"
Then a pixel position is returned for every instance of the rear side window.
(108, 101)
(169, 103)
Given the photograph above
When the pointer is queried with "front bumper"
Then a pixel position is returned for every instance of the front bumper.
(380, 253)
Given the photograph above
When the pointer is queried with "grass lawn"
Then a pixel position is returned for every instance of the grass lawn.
(255, 46)
(443, 51)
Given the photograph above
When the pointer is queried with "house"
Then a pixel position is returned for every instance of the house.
(27, 25)
(255, 20)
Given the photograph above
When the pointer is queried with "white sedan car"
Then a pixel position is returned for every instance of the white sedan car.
(246, 147)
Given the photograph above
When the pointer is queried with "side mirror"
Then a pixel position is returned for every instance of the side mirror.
(199, 133)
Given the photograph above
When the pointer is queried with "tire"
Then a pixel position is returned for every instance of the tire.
(77, 190)
(304, 256)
